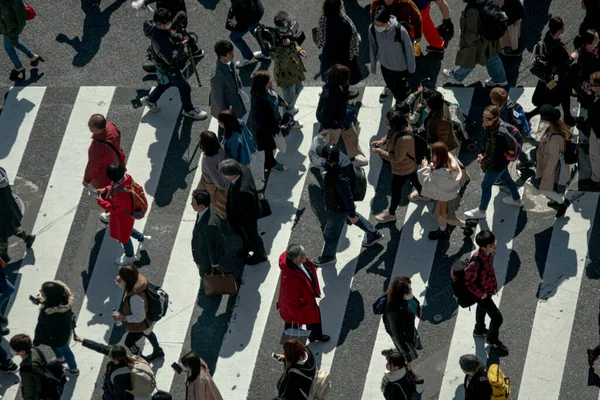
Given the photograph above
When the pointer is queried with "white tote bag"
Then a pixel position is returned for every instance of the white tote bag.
(280, 142)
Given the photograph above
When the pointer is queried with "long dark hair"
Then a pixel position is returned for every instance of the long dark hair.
(230, 121)
(398, 288)
(129, 274)
(55, 294)
(119, 353)
(440, 155)
(293, 351)
(209, 143)
(193, 361)
(259, 82)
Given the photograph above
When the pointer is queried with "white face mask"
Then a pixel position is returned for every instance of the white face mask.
(380, 29)
(121, 284)
(408, 296)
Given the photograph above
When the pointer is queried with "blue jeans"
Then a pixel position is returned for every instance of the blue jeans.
(290, 95)
(494, 67)
(65, 351)
(129, 245)
(238, 39)
(6, 289)
(333, 230)
(488, 181)
(185, 91)
(12, 51)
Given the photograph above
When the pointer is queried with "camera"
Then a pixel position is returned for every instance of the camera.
(284, 28)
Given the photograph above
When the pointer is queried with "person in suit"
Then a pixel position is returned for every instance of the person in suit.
(225, 84)
(243, 210)
(208, 241)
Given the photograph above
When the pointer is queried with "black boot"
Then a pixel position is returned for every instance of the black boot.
(439, 234)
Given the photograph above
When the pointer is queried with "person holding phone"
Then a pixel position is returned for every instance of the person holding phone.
(199, 383)
(300, 368)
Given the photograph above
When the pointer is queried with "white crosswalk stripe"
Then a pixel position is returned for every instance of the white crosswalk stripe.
(238, 357)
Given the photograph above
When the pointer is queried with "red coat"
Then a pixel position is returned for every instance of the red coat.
(101, 155)
(297, 294)
(121, 224)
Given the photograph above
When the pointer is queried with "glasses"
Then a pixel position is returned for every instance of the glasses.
(489, 119)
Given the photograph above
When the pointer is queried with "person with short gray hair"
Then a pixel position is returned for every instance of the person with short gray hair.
(230, 167)
(477, 385)
(298, 290)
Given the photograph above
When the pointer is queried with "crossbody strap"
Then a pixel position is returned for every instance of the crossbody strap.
(111, 146)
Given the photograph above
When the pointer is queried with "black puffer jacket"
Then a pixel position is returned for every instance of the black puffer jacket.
(246, 13)
(165, 49)
(55, 323)
(478, 387)
(331, 109)
(337, 186)
(10, 213)
(495, 148)
(295, 385)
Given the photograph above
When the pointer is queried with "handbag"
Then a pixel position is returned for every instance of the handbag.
(220, 283)
(514, 11)
(229, 16)
(264, 206)
(29, 11)
(280, 142)
(299, 333)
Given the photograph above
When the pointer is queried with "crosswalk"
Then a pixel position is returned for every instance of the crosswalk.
(547, 269)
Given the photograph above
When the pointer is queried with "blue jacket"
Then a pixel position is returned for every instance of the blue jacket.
(240, 145)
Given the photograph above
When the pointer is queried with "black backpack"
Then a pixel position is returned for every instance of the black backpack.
(158, 302)
(52, 375)
(463, 295)
(379, 304)
(421, 146)
(358, 182)
(493, 23)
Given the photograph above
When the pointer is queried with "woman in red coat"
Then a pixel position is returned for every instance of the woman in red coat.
(119, 204)
(298, 290)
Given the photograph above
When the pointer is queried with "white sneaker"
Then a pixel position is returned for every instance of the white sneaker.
(490, 83)
(105, 217)
(511, 202)
(152, 107)
(196, 114)
(415, 196)
(297, 125)
(362, 160)
(475, 214)
(138, 5)
(147, 238)
(244, 63)
(449, 74)
(124, 260)
(260, 56)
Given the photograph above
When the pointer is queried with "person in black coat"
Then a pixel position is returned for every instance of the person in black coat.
(55, 322)
(477, 385)
(299, 371)
(244, 16)
(10, 218)
(116, 386)
(264, 119)
(397, 384)
(243, 210)
(208, 241)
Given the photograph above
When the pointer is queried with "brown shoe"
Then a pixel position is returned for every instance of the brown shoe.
(417, 379)
(592, 356)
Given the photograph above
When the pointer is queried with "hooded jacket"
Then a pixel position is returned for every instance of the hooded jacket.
(166, 50)
(121, 223)
(13, 19)
(397, 386)
(441, 184)
(295, 385)
(55, 324)
(135, 307)
(31, 382)
(391, 52)
(337, 186)
(10, 213)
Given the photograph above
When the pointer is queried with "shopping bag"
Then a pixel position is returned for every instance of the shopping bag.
(280, 142)
(295, 333)
(218, 283)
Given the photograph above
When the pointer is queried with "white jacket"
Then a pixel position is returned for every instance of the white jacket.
(441, 184)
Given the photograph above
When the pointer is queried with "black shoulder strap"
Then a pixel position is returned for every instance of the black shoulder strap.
(111, 146)
(373, 32)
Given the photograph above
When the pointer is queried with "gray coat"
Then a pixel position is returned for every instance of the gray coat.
(208, 241)
(224, 91)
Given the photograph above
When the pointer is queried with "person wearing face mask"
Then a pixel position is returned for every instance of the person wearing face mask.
(55, 322)
(477, 385)
(494, 164)
(399, 314)
(588, 62)
(199, 385)
(397, 384)
(135, 308)
(115, 386)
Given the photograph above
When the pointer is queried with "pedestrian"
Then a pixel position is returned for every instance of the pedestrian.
(300, 368)
(298, 293)
(477, 385)
(397, 384)
(10, 219)
(13, 19)
(588, 62)
(401, 308)
(199, 385)
(509, 42)
(212, 180)
(264, 119)
(441, 180)
(480, 279)
(243, 210)
(56, 321)
(226, 85)
(208, 241)
(117, 200)
(475, 49)
(338, 175)
(135, 309)
(556, 89)
(116, 386)
(494, 164)
(6, 363)
(335, 115)
(391, 45)
(244, 16)
(438, 122)
(550, 163)
(6, 290)
(31, 357)
(168, 55)
(400, 152)
(238, 141)
(103, 151)
(338, 40)
(593, 124)
(162, 395)
(592, 10)
(288, 67)
(436, 43)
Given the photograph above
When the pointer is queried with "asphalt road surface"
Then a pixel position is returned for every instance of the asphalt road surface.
(548, 269)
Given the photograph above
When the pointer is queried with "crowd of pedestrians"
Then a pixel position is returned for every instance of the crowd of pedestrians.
(422, 143)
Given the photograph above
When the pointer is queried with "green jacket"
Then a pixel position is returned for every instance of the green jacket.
(31, 383)
(12, 19)
(473, 48)
(288, 65)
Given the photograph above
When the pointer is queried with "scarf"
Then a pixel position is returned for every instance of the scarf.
(114, 186)
(392, 377)
(354, 40)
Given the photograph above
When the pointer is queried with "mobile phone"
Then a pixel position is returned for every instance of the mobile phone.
(177, 367)
(94, 194)
(276, 357)
(34, 300)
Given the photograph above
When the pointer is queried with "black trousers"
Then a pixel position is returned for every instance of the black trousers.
(397, 81)
(397, 183)
(487, 306)
(316, 330)
(133, 337)
(270, 160)
(251, 239)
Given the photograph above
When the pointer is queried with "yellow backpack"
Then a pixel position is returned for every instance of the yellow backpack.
(500, 383)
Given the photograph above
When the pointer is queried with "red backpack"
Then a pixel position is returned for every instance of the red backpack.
(138, 199)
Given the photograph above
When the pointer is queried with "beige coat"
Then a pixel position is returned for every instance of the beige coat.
(548, 159)
(399, 148)
(203, 388)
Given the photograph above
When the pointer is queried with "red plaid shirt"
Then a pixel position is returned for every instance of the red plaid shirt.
(480, 275)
